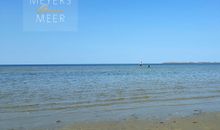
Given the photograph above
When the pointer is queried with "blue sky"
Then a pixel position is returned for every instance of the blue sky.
(117, 31)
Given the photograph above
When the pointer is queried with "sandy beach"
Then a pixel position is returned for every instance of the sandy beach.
(204, 121)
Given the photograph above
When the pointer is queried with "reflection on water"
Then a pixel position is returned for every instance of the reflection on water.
(78, 93)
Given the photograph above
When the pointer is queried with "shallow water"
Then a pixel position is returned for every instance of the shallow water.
(33, 97)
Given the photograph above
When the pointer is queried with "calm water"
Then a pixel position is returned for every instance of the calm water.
(33, 97)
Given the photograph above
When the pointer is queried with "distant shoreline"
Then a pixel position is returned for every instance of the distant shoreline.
(191, 63)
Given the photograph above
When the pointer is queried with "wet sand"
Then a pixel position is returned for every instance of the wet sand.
(204, 121)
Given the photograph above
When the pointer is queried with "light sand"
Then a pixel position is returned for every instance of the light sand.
(205, 121)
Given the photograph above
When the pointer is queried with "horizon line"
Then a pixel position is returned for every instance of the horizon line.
(48, 64)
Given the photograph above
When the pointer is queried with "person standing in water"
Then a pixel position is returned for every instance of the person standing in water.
(141, 64)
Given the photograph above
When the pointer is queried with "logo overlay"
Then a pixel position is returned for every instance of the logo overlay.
(50, 15)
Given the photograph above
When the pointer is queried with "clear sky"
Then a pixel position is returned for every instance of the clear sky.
(117, 31)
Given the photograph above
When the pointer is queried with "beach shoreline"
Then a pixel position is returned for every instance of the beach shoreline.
(109, 97)
(203, 121)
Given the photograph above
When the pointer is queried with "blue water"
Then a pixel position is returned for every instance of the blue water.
(35, 97)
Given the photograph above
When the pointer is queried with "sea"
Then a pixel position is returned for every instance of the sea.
(49, 97)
